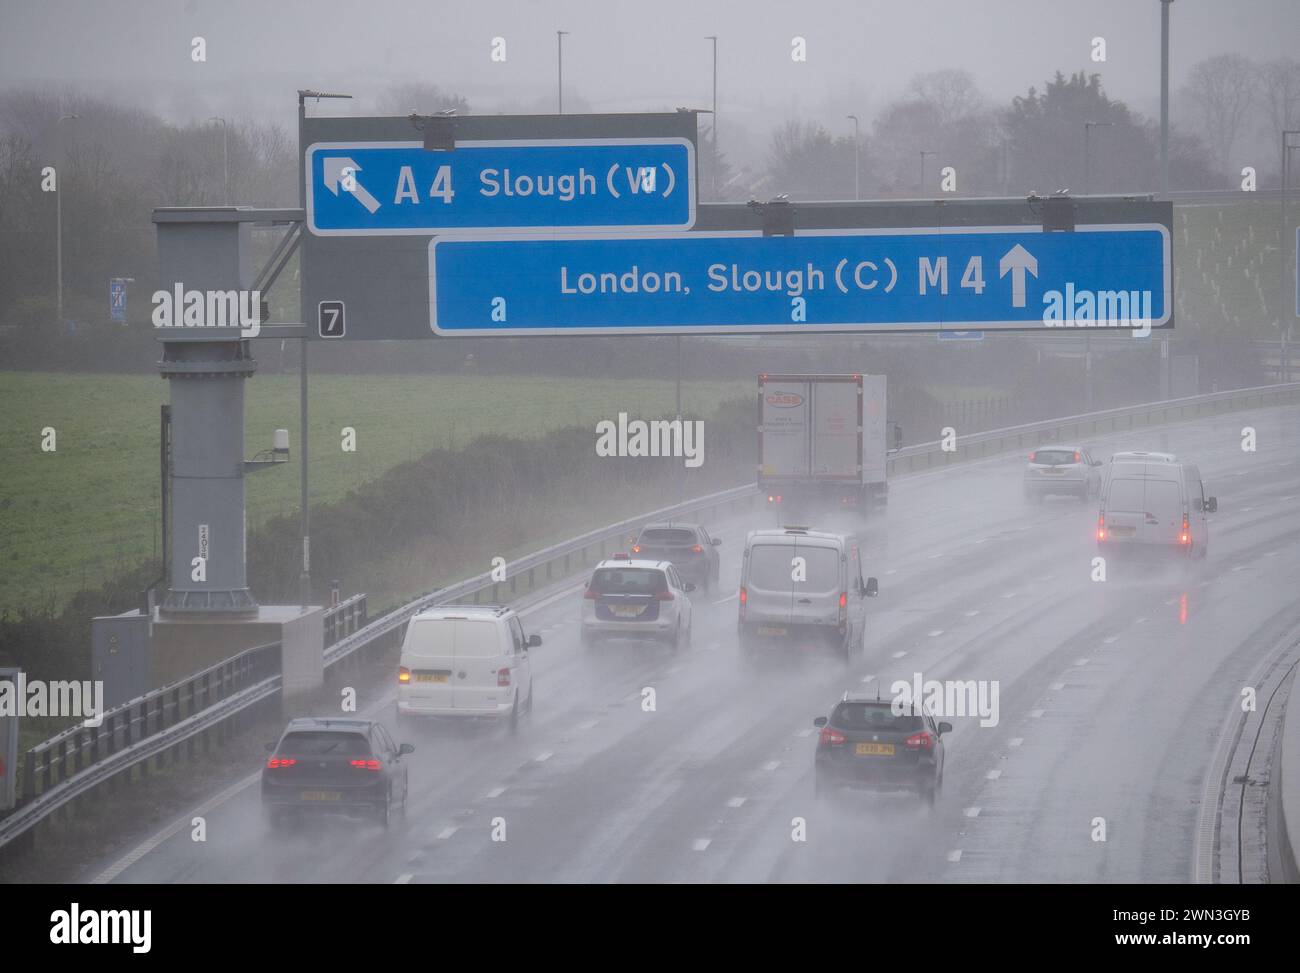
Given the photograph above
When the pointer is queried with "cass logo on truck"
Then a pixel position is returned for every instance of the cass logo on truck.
(785, 400)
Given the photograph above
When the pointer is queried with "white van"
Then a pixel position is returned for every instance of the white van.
(1157, 508)
(802, 589)
(466, 661)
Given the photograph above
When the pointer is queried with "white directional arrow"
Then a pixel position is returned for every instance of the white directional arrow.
(335, 179)
(1017, 260)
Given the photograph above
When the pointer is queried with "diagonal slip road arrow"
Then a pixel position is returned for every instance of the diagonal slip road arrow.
(1017, 260)
(335, 178)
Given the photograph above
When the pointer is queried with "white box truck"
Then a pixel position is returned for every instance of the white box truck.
(822, 442)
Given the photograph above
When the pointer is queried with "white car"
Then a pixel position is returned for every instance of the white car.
(1068, 470)
(463, 661)
(1142, 456)
(636, 599)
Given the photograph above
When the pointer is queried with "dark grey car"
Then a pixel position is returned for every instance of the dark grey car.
(348, 766)
(865, 744)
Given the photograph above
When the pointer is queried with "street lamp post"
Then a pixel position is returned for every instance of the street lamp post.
(714, 136)
(1164, 97)
(1284, 248)
(857, 194)
(58, 219)
(225, 155)
(924, 153)
(1087, 152)
(559, 85)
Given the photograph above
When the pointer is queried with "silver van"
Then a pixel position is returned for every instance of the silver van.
(802, 589)
(1155, 508)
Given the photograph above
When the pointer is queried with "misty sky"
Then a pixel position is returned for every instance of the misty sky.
(620, 56)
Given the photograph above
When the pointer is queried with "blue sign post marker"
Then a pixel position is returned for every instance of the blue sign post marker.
(716, 282)
(400, 188)
(117, 299)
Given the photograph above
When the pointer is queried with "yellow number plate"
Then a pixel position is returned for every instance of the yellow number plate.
(321, 795)
(628, 611)
(431, 677)
(874, 750)
(770, 630)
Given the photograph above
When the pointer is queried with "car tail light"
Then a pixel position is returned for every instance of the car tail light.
(1076, 457)
(1032, 455)
(831, 737)
(920, 741)
(370, 764)
(665, 596)
(403, 674)
(1186, 536)
(503, 677)
(744, 600)
(590, 593)
(278, 763)
(697, 549)
(1101, 527)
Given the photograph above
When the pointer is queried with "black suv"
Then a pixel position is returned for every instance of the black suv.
(688, 546)
(864, 744)
(334, 765)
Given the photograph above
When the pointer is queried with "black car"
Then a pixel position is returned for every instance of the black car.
(346, 766)
(864, 744)
(688, 546)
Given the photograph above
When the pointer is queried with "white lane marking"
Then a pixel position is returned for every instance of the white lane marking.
(955, 855)
(1080, 663)
(931, 557)
(1009, 594)
(899, 655)
(805, 732)
(772, 765)
(177, 826)
(1058, 685)
(404, 879)
(447, 832)
(1110, 639)
(544, 756)
(981, 540)
(972, 812)
(936, 633)
(736, 802)
(993, 774)
(1035, 714)
(1016, 741)
(731, 597)
(1140, 621)
(494, 792)
(700, 844)
(868, 678)
(892, 571)
(1170, 601)
(587, 724)
(972, 613)
(671, 670)
(1240, 567)
(1272, 553)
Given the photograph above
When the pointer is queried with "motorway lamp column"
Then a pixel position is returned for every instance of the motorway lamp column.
(857, 193)
(225, 155)
(1284, 248)
(559, 85)
(924, 153)
(714, 134)
(1164, 98)
(58, 219)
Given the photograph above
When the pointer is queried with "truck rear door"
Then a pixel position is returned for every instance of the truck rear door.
(837, 430)
(783, 444)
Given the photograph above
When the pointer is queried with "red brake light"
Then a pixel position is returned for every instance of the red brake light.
(403, 674)
(1101, 527)
(590, 593)
(665, 596)
(371, 764)
(697, 549)
(844, 599)
(920, 741)
(276, 763)
(1186, 536)
(1032, 455)
(832, 738)
(503, 677)
(744, 597)
(1076, 457)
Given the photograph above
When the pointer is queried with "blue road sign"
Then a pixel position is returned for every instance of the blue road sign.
(117, 299)
(400, 188)
(961, 335)
(817, 281)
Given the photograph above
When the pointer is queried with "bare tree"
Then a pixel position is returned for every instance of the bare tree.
(951, 94)
(1222, 90)
(1279, 92)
